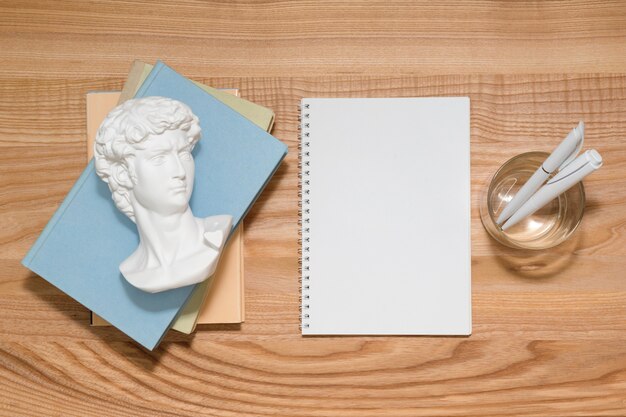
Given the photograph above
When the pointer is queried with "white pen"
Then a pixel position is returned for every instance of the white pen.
(558, 159)
(571, 175)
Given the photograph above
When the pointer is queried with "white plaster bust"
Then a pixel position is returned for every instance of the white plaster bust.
(143, 152)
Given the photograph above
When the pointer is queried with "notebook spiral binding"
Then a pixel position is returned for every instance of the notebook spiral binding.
(303, 213)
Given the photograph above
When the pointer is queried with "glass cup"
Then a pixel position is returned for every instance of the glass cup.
(546, 228)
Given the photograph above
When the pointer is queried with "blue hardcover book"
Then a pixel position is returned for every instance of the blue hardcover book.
(81, 248)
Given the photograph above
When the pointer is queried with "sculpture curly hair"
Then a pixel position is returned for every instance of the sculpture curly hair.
(125, 129)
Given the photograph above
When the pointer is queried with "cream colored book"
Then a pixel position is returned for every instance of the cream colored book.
(224, 303)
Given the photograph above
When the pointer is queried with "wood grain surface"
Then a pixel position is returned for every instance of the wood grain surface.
(549, 328)
(74, 39)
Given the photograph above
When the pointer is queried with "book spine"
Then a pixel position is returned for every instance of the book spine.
(304, 212)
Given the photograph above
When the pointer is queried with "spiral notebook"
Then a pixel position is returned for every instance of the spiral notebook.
(385, 185)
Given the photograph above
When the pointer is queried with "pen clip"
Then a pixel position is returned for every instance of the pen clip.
(580, 130)
(589, 157)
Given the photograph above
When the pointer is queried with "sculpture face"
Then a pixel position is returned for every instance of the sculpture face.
(143, 152)
(164, 173)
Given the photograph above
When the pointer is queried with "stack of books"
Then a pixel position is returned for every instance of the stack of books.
(80, 249)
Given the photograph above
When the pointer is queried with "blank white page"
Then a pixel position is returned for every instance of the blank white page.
(386, 216)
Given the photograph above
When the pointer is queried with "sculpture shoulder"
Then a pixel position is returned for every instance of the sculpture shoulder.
(217, 229)
(219, 222)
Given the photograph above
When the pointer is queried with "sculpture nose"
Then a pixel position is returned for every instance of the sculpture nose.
(179, 171)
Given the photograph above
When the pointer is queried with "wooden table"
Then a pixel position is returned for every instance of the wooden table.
(549, 328)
